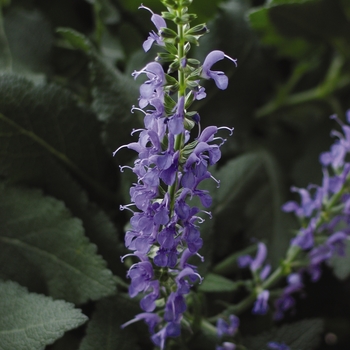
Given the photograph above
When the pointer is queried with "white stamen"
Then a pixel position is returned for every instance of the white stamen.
(123, 207)
(216, 180)
(121, 168)
(227, 128)
(200, 257)
(117, 150)
(137, 109)
(136, 130)
(146, 8)
(234, 60)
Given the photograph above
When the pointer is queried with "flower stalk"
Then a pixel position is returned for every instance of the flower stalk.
(165, 227)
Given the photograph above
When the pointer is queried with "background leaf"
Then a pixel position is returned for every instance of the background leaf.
(299, 335)
(104, 332)
(42, 121)
(217, 283)
(341, 264)
(29, 321)
(41, 230)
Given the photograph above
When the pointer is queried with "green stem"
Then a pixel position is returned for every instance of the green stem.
(226, 266)
(181, 93)
(281, 271)
(209, 330)
(333, 81)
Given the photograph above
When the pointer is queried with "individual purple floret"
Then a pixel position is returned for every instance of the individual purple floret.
(286, 301)
(159, 22)
(256, 263)
(219, 77)
(261, 305)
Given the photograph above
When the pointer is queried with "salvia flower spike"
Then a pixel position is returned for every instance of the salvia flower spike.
(164, 228)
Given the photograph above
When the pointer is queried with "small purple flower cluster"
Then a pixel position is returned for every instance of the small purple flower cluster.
(326, 208)
(260, 273)
(227, 329)
(324, 213)
(164, 231)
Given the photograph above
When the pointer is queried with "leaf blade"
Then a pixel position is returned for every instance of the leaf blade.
(43, 231)
(24, 313)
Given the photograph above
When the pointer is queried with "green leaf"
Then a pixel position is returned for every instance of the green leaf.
(313, 20)
(30, 38)
(41, 230)
(249, 200)
(76, 39)
(295, 26)
(304, 335)
(341, 264)
(114, 94)
(234, 176)
(29, 321)
(37, 122)
(291, 47)
(104, 332)
(98, 226)
(216, 283)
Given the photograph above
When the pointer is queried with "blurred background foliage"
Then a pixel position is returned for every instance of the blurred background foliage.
(65, 97)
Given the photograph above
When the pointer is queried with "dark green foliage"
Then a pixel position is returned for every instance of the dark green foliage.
(40, 230)
(65, 98)
(31, 321)
(299, 335)
(104, 329)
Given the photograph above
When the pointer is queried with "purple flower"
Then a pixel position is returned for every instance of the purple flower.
(305, 237)
(159, 22)
(257, 263)
(336, 156)
(286, 301)
(170, 330)
(176, 122)
(261, 304)
(308, 203)
(151, 91)
(227, 328)
(219, 77)
(335, 244)
(141, 274)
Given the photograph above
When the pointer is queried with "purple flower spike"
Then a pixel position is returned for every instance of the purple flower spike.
(219, 77)
(164, 228)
